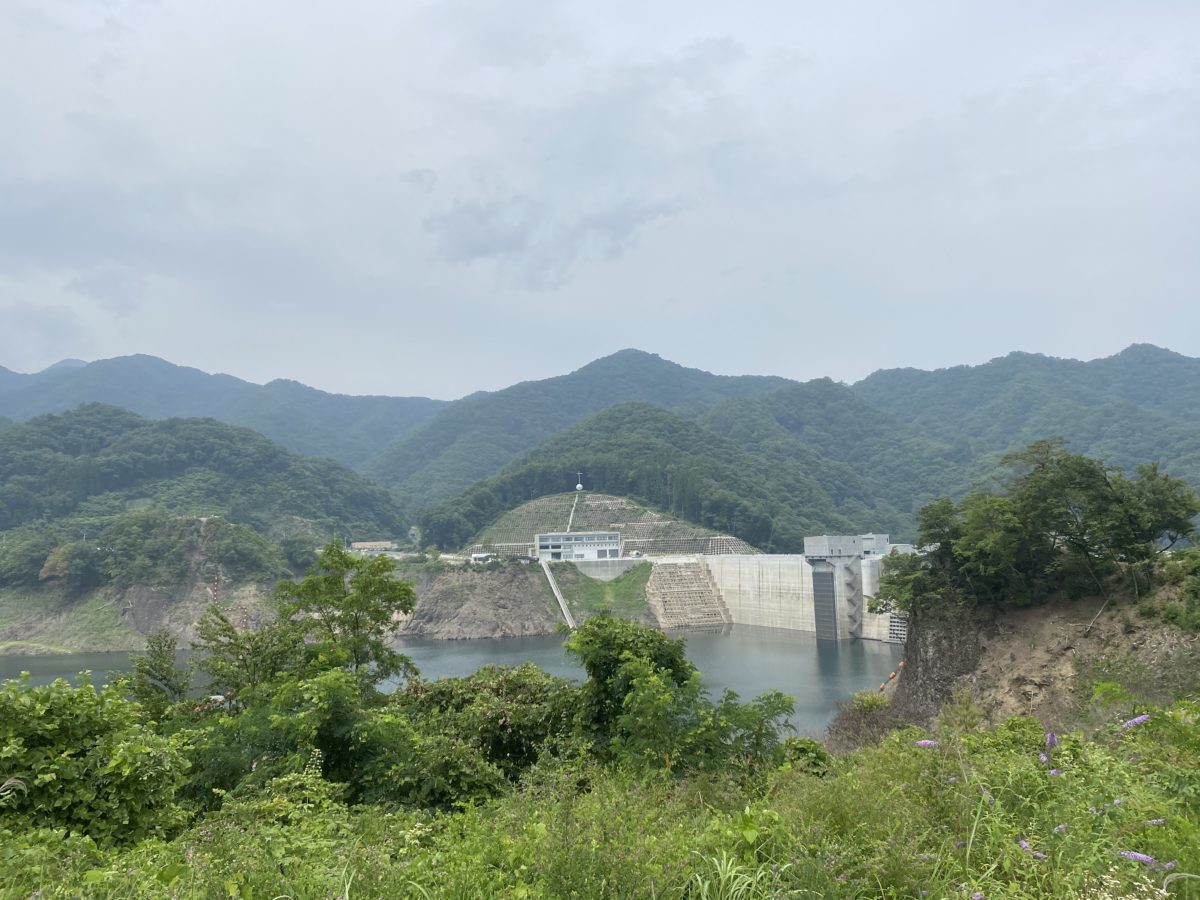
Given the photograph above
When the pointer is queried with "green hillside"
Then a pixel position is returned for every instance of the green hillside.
(861, 451)
(1140, 405)
(672, 463)
(476, 437)
(114, 488)
(303, 419)
(643, 529)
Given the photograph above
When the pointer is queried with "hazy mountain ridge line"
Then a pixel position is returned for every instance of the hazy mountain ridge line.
(307, 420)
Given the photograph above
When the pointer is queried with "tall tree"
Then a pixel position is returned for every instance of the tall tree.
(350, 604)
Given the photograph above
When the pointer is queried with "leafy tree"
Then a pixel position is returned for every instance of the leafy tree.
(1064, 522)
(237, 662)
(156, 682)
(644, 704)
(605, 646)
(350, 604)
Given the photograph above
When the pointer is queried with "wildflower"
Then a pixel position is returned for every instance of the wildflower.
(978, 895)
(1059, 829)
(1051, 740)
(927, 743)
(1138, 857)
(1034, 853)
(1055, 772)
(1155, 822)
(1043, 758)
(1167, 867)
(1135, 721)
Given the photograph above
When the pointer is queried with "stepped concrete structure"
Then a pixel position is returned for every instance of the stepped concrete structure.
(682, 595)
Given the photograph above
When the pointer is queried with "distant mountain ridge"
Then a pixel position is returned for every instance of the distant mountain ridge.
(861, 456)
(304, 419)
(474, 438)
(1140, 405)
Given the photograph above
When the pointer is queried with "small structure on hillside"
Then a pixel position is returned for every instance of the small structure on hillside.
(369, 547)
(578, 545)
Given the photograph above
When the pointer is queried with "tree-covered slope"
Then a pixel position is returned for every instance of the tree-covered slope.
(677, 465)
(862, 452)
(100, 458)
(1140, 405)
(303, 419)
(474, 438)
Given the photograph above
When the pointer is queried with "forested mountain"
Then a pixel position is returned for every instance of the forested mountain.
(475, 437)
(1140, 405)
(303, 419)
(672, 462)
(107, 473)
(861, 451)
(865, 456)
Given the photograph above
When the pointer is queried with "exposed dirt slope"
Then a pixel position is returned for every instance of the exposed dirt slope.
(508, 600)
(47, 621)
(1042, 661)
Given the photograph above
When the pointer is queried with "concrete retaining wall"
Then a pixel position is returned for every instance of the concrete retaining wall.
(605, 569)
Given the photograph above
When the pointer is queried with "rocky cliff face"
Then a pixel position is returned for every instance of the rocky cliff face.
(509, 600)
(1042, 661)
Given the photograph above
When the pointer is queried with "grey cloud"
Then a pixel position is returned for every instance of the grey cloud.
(36, 333)
(535, 245)
(194, 179)
(120, 290)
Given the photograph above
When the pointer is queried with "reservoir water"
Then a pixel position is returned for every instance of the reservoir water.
(747, 659)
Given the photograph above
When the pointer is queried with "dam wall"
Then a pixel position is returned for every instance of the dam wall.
(824, 597)
(774, 591)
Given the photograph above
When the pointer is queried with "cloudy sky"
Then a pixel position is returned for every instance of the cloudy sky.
(437, 197)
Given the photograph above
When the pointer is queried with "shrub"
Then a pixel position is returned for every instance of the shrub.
(86, 762)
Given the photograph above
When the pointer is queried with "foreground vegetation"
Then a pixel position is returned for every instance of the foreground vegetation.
(294, 775)
(512, 783)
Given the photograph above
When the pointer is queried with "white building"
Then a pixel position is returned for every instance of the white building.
(579, 545)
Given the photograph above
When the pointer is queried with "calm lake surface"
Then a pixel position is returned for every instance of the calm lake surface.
(747, 659)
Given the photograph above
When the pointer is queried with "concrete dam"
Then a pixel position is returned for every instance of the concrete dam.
(701, 579)
(823, 591)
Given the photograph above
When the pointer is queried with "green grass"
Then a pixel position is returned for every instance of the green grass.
(623, 597)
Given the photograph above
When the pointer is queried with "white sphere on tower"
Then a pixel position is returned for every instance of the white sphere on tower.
(579, 487)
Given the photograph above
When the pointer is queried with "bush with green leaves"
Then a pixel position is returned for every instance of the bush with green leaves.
(86, 762)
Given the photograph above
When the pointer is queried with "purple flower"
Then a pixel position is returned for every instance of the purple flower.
(1155, 822)
(1167, 867)
(1055, 772)
(1034, 853)
(1138, 857)
(927, 743)
(1059, 829)
(978, 895)
(1043, 758)
(1051, 740)
(1135, 721)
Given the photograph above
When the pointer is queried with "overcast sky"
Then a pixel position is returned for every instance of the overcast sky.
(438, 197)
